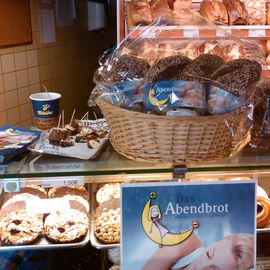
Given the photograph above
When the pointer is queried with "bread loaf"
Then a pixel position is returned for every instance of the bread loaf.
(237, 13)
(160, 11)
(214, 11)
(140, 13)
(256, 11)
(234, 51)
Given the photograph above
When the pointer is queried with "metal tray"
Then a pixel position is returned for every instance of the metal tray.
(43, 243)
(79, 150)
(93, 239)
(263, 230)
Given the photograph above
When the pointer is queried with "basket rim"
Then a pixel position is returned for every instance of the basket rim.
(174, 118)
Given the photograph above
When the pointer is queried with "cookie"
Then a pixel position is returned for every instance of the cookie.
(108, 191)
(168, 68)
(237, 75)
(58, 192)
(128, 67)
(66, 227)
(18, 227)
(203, 67)
(107, 222)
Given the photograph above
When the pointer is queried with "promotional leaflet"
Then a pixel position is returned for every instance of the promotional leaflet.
(188, 225)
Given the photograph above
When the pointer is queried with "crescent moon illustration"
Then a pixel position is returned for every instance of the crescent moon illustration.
(153, 100)
(169, 239)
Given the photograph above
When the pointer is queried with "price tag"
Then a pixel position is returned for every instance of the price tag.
(62, 181)
(61, 166)
(191, 33)
(256, 32)
(11, 184)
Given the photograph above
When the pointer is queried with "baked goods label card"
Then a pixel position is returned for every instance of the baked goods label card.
(188, 225)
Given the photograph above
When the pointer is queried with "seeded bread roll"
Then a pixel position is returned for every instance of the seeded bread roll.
(168, 68)
(128, 67)
(203, 67)
(237, 75)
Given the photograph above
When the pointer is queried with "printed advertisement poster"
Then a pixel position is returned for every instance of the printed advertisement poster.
(188, 225)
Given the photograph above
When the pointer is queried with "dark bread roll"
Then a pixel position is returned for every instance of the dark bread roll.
(236, 11)
(203, 67)
(168, 68)
(214, 11)
(237, 75)
(128, 67)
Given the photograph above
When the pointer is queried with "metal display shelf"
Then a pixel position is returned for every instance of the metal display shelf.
(109, 162)
(172, 32)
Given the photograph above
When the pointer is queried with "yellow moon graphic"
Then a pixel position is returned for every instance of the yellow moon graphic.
(153, 100)
(169, 239)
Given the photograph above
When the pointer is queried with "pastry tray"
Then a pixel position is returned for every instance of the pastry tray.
(79, 150)
(44, 243)
(93, 239)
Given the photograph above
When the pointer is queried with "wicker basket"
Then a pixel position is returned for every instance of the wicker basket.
(178, 140)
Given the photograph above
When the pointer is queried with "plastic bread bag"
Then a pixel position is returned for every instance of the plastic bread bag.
(192, 76)
(260, 136)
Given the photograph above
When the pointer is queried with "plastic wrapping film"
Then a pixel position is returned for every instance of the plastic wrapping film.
(260, 136)
(184, 77)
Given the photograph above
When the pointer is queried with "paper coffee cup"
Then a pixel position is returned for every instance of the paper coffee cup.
(46, 109)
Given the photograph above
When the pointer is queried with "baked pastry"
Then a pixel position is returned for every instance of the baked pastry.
(214, 11)
(181, 4)
(128, 67)
(237, 12)
(268, 60)
(66, 226)
(212, 47)
(107, 221)
(267, 45)
(191, 51)
(18, 226)
(23, 194)
(256, 11)
(140, 13)
(161, 12)
(234, 51)
(237, 75)
(169, 68)
(57, 192)
(107, 192)
(203, 67)
(56, 134)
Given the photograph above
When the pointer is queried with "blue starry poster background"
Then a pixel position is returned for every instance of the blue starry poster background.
(137, 248)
